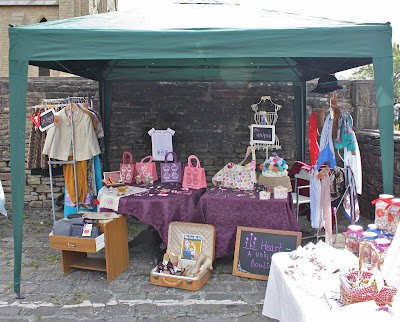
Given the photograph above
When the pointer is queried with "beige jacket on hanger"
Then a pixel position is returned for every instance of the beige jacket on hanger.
(58, 144)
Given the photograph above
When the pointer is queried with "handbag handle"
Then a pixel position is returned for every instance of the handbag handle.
(190, 161)
(252, 150)
(124, 157)
(173, 154)
(172, 283)
(149, 156)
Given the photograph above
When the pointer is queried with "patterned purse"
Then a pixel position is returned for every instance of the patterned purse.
(127, 169)
(194, 176)
(171, 172)
(146, 169)
(238, 176)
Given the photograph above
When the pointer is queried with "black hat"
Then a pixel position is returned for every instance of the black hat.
(327, 84)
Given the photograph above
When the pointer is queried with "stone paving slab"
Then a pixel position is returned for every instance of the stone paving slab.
(84, 295)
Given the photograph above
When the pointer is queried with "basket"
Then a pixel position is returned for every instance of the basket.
(350, 295)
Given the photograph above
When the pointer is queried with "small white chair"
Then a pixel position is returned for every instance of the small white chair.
(299, 199)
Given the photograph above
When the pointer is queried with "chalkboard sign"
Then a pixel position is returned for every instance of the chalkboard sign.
(262, 134)
(47, 120)
(255, 247)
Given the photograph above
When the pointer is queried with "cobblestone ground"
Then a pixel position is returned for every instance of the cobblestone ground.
(84, 295)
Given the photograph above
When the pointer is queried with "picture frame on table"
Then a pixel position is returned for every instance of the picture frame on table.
(116, 178)
(191, 247)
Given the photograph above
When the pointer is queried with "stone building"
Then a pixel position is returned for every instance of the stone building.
(26, 12)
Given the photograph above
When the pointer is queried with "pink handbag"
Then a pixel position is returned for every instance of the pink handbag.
(146, 169)
(127, 169)
(194, 177)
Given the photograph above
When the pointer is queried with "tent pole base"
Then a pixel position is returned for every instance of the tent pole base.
(19, 296)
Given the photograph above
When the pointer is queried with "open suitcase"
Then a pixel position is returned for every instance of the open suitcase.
(202, 239)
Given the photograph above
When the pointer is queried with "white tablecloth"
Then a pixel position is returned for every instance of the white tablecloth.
(109, 197)
(292, 300)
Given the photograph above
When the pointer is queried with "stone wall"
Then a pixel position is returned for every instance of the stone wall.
(37, 188)
(210, 119)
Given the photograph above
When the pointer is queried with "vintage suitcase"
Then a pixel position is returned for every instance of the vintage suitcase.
(201, 239)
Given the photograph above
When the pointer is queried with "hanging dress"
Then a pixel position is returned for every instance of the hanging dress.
(326, 150)
(354, 162)
(313, 138)
(315, 199)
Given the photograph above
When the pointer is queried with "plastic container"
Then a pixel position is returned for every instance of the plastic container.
(381, 213)
(369, 257)
(353, 236)
(264, 195)
(280, 192)
(388, 236)
(393, 216)
(382, 245)
(373, 228)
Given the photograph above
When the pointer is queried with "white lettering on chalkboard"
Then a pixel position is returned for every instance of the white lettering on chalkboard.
(47, 120)
(262, 134)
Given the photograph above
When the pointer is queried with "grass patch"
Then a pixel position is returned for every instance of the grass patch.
(8, 286)
(134, 229)
(33, 263)
(52, 258)
(75, 298)
(259, 307)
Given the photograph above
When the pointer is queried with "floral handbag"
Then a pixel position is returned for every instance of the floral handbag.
(238, 176)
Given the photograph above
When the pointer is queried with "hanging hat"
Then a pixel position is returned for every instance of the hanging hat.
(327, 84)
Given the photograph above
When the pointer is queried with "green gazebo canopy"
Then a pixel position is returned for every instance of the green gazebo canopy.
(195, 42)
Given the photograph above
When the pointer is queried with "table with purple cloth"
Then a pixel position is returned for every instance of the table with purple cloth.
(159, 210)
(226, 209)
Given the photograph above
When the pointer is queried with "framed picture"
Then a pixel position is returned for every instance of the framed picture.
(262, 134)
(115, 176)
(191, 247)
(254, 249)
(161, 141)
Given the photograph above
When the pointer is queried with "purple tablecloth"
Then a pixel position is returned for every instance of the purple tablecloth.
(159, 211)
(238, 209)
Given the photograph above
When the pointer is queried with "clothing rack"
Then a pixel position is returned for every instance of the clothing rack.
(317, 236)
(66, 102)
(347, 175)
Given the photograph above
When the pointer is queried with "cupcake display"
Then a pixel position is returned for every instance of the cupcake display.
(274, 166)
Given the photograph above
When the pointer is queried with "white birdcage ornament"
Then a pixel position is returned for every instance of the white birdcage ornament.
(262, 133)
